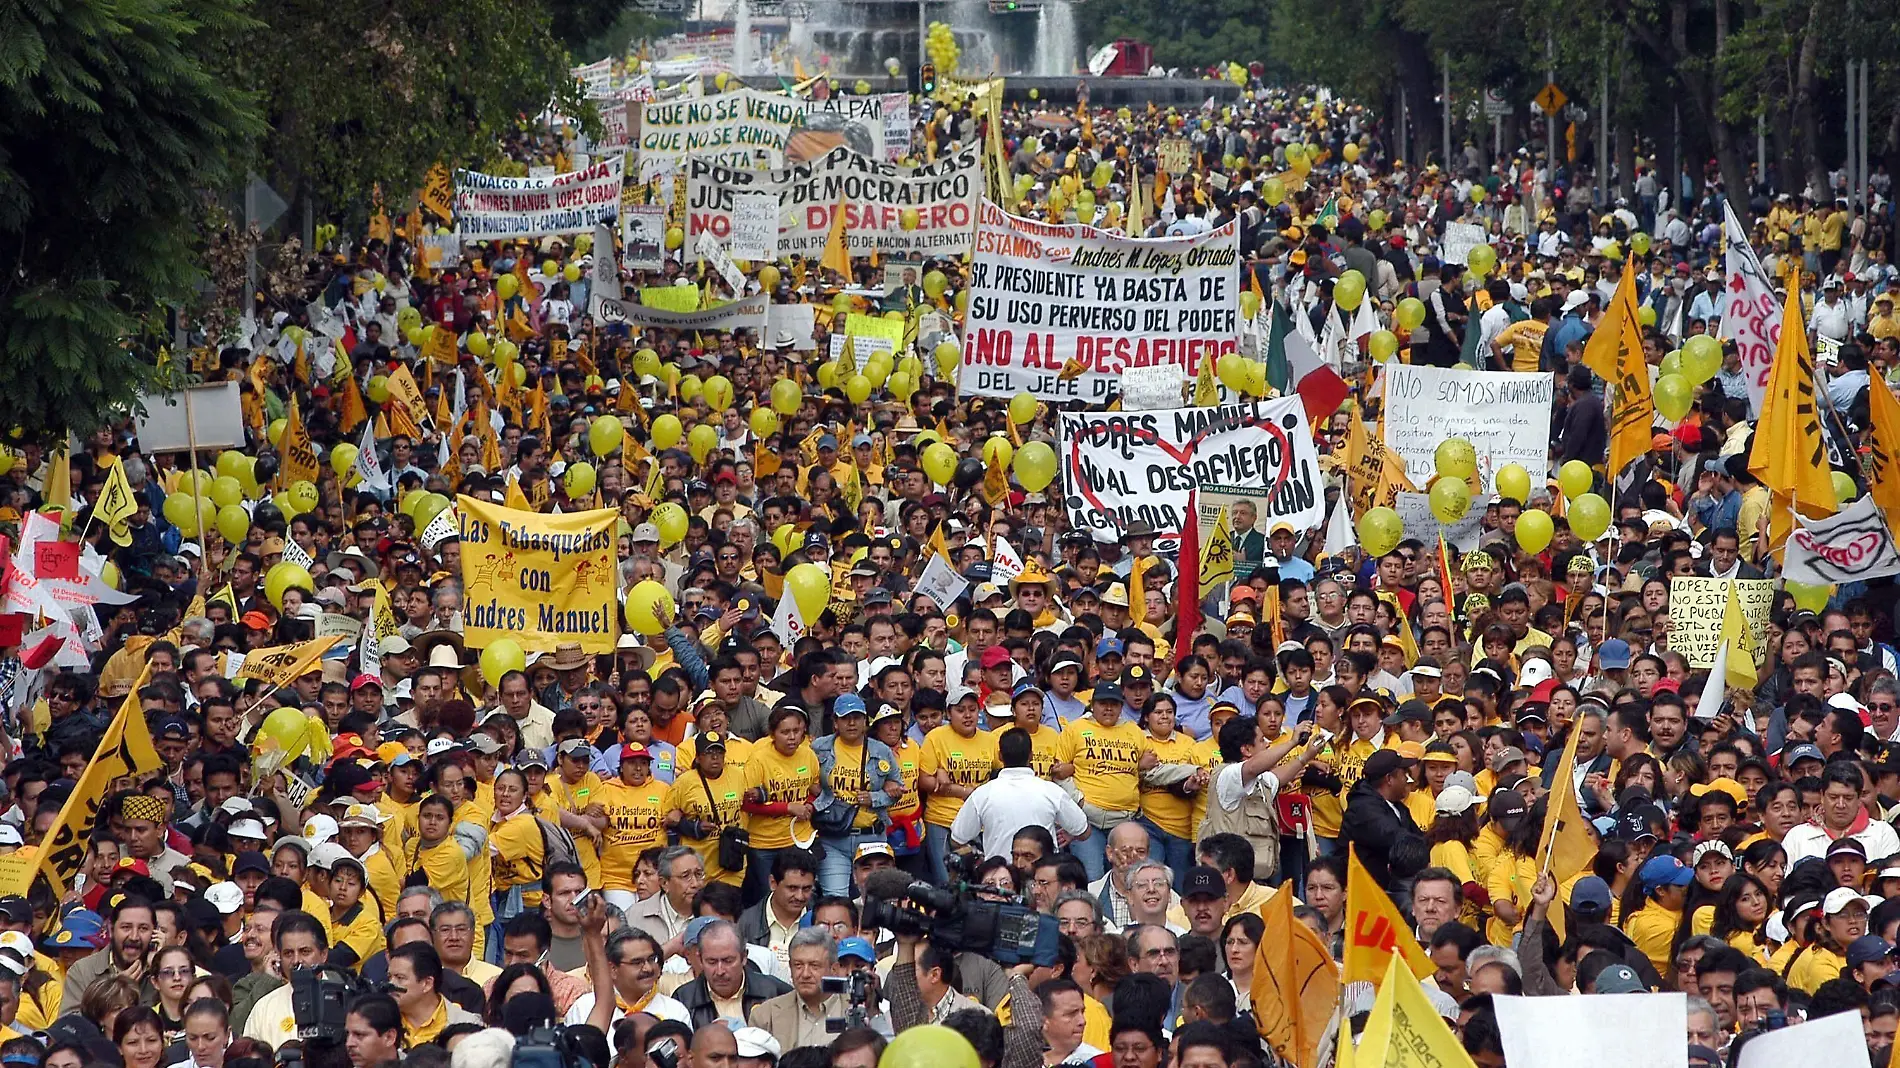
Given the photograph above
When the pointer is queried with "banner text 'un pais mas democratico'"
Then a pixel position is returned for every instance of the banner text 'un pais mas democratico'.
(1042, 295)
(539, 579)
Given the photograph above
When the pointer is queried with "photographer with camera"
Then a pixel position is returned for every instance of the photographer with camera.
(912, 1004)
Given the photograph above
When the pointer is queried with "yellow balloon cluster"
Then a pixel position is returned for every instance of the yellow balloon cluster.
(941, 45)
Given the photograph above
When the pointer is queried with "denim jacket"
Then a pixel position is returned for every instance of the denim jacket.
(880, 767)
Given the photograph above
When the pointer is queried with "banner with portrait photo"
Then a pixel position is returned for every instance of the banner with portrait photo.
(539, 579)
(864, 124)
(1124, 467)
(1043, 295)
(494, 206)
(878, 201)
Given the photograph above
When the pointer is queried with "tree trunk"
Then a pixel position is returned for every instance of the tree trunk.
(1420, 75)
(1806, 124)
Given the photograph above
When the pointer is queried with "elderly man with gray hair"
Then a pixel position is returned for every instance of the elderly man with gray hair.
(797, 1018)
(726, 988)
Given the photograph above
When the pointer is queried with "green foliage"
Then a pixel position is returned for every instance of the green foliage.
(114, 121)
(367, 94)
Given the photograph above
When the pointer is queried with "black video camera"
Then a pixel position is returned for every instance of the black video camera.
(321, 997)
(958, 920)
(548, 1047)
(857, 990)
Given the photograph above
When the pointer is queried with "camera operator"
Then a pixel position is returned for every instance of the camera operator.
(1022, 1037)
(302, 942)
(372, 1032)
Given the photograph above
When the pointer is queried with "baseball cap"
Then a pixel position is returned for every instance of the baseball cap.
(1106, 691)
(696, 927)
(1383, 763)
(1658, 872)
(994, 656)
(1507, 756)
(1453, 800)
(851, 704)
(635, 752)
(857, 947)
(1867, 949)
(1801, 752)
(872, 849)
(226, 897)
(250, 860)
(1203, 881)
(1836, 900)
(1590, 897)
(81, 929)
(1620, 979)
(1417, 711)
(757, 1041)
(1614, 655)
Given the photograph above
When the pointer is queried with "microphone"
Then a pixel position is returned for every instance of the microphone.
(889, 884)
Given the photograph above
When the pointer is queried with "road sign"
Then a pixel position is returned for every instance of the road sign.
(1550, 99)
(1495, 106)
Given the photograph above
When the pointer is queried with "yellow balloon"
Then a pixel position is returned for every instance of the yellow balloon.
(997, 451)
(578, 480)
(935, 282)
(181, 511)
(908, 219)
(719, 393)
(406, 504)
(764, 422)
(285, 575)
(1450, 499)
(782, 537)
(109, 575)
(234, 523)
(675, 237)
(948, 353)
(702, 441)
(1514, 482)
(667, 431)
(1349, 290)
(670, 520)
(828, 374)
(303, 494)
(507, 286)
(1035, 466)
(1812, 598)
(1673, 394)
(379, 389)
(1231, 369)
(650, 608)
(1455, 458)
(1380, 530)
(691, 388)
(288, 730)
(430, 506)
(605, 434)
(1589, 516)
(1575, 478)
(226, 490)
(787, 398)
(1022, 408)
(1534, 531)
(857, 388)
(275, 432)
(809, 587)
(1844, 488)
(646, 362)
(939, 462)
(768, 278)
(929, 1046)
(1382, 344)
(500, 657)
(230, 462)
(1410, 313)
(572, 272)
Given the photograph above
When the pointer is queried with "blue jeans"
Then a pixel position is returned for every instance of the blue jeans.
(1092, 852)
(937, 847)
(834, 865)
(1164, 848)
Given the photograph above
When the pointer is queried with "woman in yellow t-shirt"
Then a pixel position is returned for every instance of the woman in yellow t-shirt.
(1102, 752)
(907, 812)
(455, 780)
(1652, 908)
(1321, 778)
(1451, 835)
(1514, 874)
(1045, 742)
(781, 783)
(635, 806)
(1741, 915)
(1168, 812)
(436, 852)
(356, 922)
(515, 848)
(707, 799)
(958, 756)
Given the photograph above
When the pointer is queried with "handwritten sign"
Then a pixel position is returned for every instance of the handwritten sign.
(56, 560)
(1505, 416)
(1695, 614)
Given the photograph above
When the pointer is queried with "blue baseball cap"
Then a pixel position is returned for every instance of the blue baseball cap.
(848, 704)
(1025, 687)
(1658, 872)
(1107, 646)
(857, 947)
(1614, 655)
(696, 927)
(81, 929)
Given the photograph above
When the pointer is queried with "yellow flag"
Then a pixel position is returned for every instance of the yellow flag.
(403, 388)
(283, 664)
(837, 255)
(1295, 984)
(1404, 1031)
(117, 503)
(1404, 632)
(1137, 591)
(1739, 640)
(350, 409)
(58, 487)
(1566, 843)
(1377, 473)
(1217, 553)
(1615, 352)
(1206, 393)
(1788, 455)
(297, 456)
(125, 750)
(937, 543)
(1883, 453)
(227, 597)
(1375, 931)
(514, 498)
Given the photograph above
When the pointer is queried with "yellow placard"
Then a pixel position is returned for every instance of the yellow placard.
(670, 298)
(539, 579)
(281, 665)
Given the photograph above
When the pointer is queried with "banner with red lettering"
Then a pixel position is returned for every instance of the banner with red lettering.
(902, 212)
(1042, 295)
(491, 206)
(1751, 316)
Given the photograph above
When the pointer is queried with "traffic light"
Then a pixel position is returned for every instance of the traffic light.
(928, 80)
(1005, 7)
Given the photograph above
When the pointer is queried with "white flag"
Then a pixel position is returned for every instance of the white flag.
(786, 622)
(1006, 565)
(1751, 316)
(367, 465)
(1851, 545)
(941, 584)
(1339, 533)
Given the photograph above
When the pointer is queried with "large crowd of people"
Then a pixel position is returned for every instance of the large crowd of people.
(669, 850)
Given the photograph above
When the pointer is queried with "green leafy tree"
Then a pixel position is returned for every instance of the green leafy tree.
(114, 123)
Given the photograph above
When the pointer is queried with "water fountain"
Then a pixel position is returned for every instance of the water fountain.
(859, 37)
(1056, 46)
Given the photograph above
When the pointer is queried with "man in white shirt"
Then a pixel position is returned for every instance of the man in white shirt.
(1841, 816)
(1015, 799)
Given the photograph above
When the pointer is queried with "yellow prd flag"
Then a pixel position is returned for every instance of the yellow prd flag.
(1566, 845)
(1788, 455)
(125, 750)
(1615, 352)
(117, 503)
(350, 409)
(1295, 984)
(1217, 554)
(1883, 455)
(283, 664)
(227, 597)
(937, 543)
(402, 387)
(848, 358)
(1375, 931)
(837, 255)
(57, 491)
(1404, 1031)
(1739, 641)
(1206, 392)
(1377, 473)
(514, 498)
(297, 456)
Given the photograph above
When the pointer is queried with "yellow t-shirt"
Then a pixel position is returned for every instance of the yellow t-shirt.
(1455, 857)
(1172, 812)
(1423, 807)
(1107, 762)
(636, 821)
(402, 826)
(965, 762)
(909, 757)
(1485, 851)
(445, 865)
(737, 750)
(850, 773)
(689, 797)
(1511, 880)
(1653, 928)
(1816, 966)
(783, 779)
(1045, 750)
(575, 797)
(517, 854)
(384, 882)
(1524, 341)
(361, 928)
